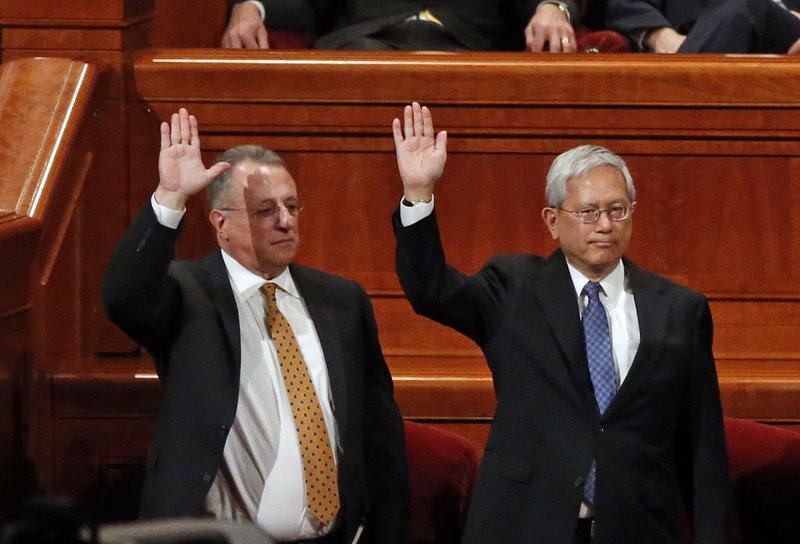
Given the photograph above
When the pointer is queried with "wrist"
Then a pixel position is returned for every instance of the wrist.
(412, 200)
(259, 6)
(560, 6)
(170, 199)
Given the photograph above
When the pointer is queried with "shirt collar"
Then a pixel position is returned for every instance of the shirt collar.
(245, 282)
(612, 285)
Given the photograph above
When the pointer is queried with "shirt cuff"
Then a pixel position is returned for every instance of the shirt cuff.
(419, 211)
(260, 7)
(166, 216)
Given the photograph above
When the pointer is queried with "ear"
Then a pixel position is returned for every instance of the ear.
(550, 219)
(219, 222)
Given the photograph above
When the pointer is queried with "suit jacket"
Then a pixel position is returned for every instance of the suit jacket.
(660, 445)
(185, 314)
(627, 16)
(478, 24)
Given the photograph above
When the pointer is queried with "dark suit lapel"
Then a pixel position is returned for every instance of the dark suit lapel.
(221, 294)
(325, 315)
(556, 296)
(652, 310)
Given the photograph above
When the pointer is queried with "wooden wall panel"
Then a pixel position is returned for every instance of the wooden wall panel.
(714, 168)
(189, 23)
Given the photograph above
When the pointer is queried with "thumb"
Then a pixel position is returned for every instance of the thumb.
(217, 169)
(441, 142)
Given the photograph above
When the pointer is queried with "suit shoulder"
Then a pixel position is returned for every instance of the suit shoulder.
(665, 285)
(507, 263)
(325, 280)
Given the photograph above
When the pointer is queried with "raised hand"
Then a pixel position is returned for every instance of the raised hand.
(181, 171)
(420, 155)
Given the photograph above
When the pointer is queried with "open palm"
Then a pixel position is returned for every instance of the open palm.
(180, 164)
(420, 156)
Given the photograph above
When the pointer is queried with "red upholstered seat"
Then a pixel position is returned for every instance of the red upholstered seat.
(764, 464)
(443, 467)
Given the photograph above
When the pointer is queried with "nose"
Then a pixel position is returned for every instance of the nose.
(283, 217)
(604, 222)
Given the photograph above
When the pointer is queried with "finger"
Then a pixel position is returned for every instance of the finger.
(417, 117)
(235, 41)
(217, 169)
(225, 43)
(554, 42)
(441, 143)
(174, 130)
(262, 38)
(572, 45)
(184, 125)
(408, 128)
(537, 41)
(397, 132)
(194, 133)
(427, 122)
(249, 40)
(164, 135)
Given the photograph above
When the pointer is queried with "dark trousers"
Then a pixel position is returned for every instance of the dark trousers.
(583, 532)
(413, 35)
(743, 26)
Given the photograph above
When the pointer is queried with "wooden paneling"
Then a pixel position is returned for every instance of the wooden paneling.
(189, 23)
(711, 141)
(42, 107)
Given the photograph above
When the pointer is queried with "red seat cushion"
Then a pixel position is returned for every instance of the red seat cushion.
(443, 467)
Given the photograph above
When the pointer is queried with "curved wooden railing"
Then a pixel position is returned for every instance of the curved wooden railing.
(42, 106)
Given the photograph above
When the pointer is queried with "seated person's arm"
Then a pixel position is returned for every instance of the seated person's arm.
(550, 28)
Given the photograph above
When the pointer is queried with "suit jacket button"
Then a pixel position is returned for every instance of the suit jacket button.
(599, 429)
(206, 477)
(579, 481)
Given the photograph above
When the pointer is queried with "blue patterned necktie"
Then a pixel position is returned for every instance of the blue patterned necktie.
(601, 361)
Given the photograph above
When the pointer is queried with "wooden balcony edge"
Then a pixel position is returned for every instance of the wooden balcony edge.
(460, 389)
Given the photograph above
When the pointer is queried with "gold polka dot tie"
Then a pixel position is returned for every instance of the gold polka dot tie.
(319, 467)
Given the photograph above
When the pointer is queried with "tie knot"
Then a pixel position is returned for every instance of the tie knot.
(269, 290)
(592, 290)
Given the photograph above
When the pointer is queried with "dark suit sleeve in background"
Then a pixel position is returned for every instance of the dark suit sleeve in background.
(386, 464)
(704, 447)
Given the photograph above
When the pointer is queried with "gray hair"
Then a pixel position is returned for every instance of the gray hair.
(233, 156)
(578, 162)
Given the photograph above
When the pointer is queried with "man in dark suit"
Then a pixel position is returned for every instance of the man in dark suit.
(479, 25)
(707, 26)
(232, 438)
(608, 425)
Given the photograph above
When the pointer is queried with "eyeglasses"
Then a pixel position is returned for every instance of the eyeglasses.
(269, 210)
(618, 212)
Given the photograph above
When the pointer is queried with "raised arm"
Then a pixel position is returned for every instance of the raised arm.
(420, 155)
(181, 172)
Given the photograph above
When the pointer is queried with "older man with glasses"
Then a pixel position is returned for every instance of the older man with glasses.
(278, 405)
(608, 426)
